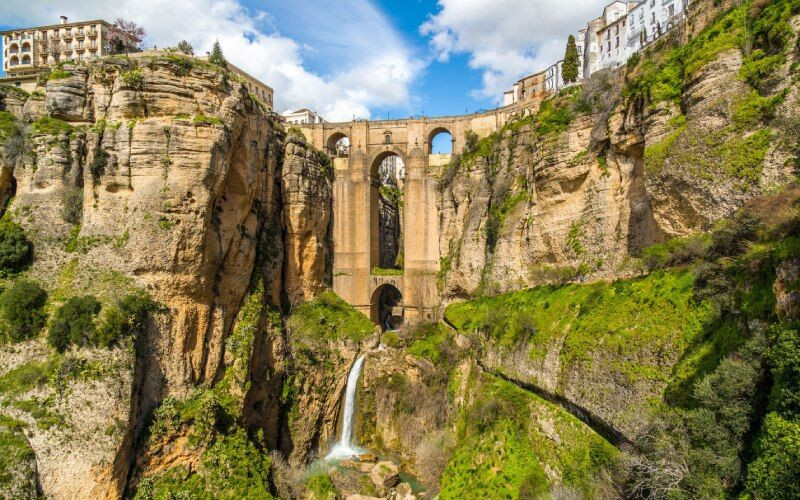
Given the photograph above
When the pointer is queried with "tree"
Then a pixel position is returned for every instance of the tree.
(185, 47)
(73, 323)
(15, 249)
(125, 36)
(570, 68)
(22, 311)
(216, 56)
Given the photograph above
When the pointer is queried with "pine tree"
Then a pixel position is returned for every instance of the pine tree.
(570, 68)
(216, 56)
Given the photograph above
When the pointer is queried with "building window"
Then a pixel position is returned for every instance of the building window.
(671, 10)
(387, 138)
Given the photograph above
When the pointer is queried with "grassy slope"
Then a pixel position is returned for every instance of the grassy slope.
(507, 438)
(621, 320)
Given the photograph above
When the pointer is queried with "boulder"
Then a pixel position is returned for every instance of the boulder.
(384, 475)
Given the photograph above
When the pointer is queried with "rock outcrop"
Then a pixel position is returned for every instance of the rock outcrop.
(600, 173)
(162, 173)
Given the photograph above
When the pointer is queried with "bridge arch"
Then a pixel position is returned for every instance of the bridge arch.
(338, 144)
(386, 306)
(437, 131)
(386, 211)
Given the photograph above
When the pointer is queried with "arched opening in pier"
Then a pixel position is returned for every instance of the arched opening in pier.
(386, 213)
(387, 307)
(440, 142)
(338, 145)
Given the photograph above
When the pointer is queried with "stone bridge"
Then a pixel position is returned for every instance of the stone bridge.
(355, 202)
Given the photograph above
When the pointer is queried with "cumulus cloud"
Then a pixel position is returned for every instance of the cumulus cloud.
(506, 39)
(374, 67)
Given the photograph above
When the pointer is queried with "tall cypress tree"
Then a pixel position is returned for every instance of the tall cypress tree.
(570, 68)
(216, 56)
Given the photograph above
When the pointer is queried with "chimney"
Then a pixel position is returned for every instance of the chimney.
(63, 19)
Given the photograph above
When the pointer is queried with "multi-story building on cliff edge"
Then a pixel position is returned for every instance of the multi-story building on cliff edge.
(624, 28)
(27, 51)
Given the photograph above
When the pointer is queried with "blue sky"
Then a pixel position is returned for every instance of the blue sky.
(362, 58)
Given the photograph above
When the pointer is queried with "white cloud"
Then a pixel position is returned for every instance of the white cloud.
(507, 39)
(374, 67)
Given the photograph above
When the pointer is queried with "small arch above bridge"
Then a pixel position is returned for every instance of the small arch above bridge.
(437, 133)
(338, 144)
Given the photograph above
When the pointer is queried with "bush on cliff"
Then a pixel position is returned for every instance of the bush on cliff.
(124, 318)
(22, 311)
(15, 249)
(73, 323)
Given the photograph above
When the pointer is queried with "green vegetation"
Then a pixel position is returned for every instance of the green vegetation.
(761, 29)
(15, 249)
(216, 58)
(556, 114)
(51, 126)
(655, 156)
(570, 67)
(651, 313)
(22, 313)
(382, 271)
(392, 194)
(497, 463)
(321, 486)
(7, 124)
(502, 451)
(123, 318)
(427, 342)
(133, 79)
(743, 158)
(328, 317)
(201, 119)
(17, 460)
(233, 466)
(58, 74)
(73, 323)
(754, 109)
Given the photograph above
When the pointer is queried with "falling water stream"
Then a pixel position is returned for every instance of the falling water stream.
(345, 447)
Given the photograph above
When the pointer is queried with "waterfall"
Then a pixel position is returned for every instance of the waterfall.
(344, 448)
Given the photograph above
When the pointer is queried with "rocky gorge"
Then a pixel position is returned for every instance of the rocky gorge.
(620, 281)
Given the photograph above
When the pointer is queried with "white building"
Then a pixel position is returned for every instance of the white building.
(302, 117)
(644, 21)
(554, 79)
(606, 42)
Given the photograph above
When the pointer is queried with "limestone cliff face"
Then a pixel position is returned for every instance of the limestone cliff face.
(533, 204)
(162, 173)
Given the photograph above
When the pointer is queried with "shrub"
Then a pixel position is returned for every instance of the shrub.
(21, 308)
(124, 318)
(7, 124)
(58, 74)
(15, 249)
(775, 473)
(133, 79)
(51, 126)
(73, 323)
